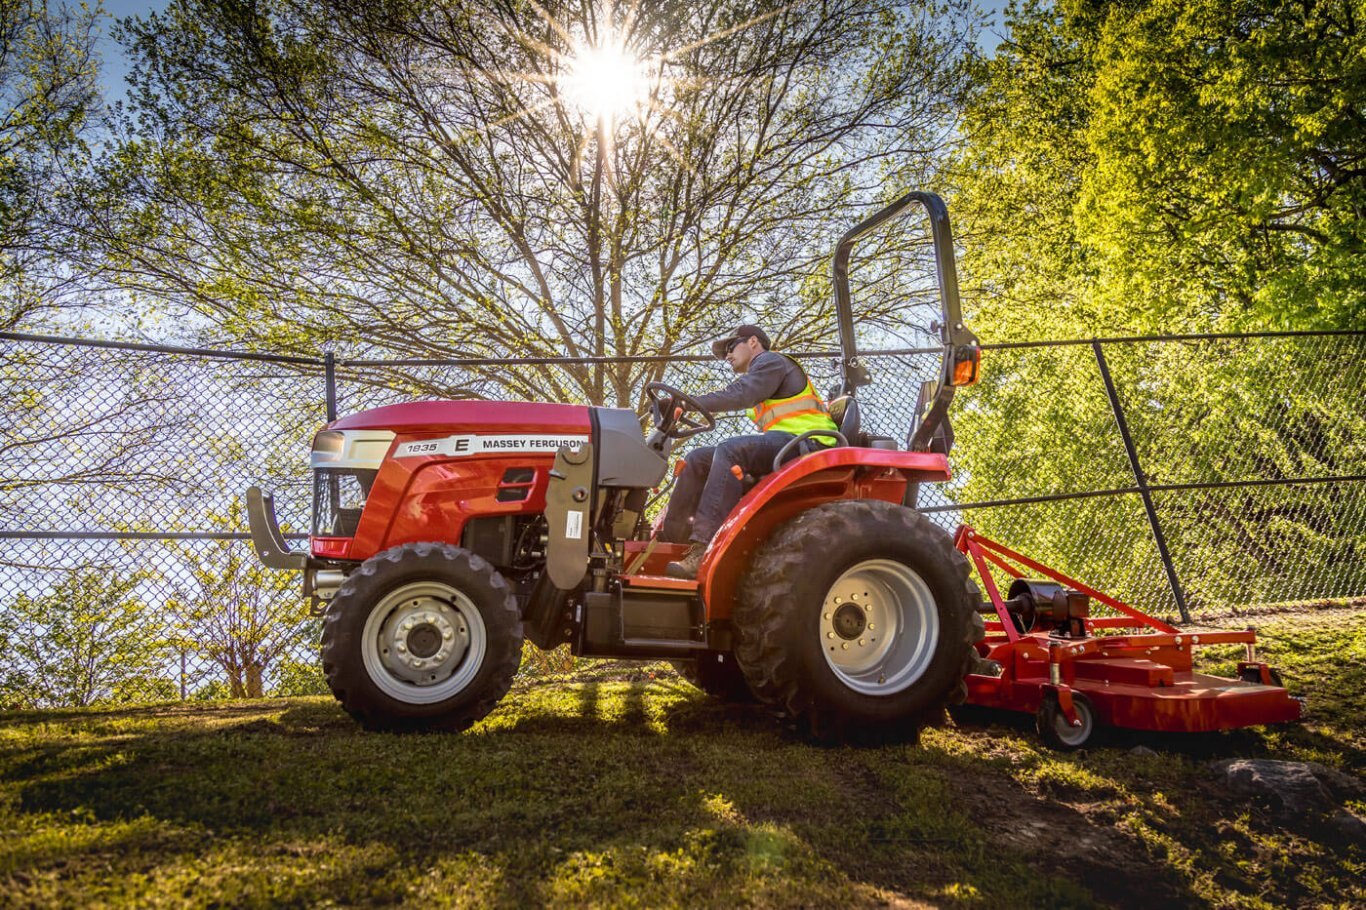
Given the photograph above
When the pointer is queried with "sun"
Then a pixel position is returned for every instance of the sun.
(605, 81)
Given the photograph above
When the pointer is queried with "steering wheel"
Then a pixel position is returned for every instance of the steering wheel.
(673, 412)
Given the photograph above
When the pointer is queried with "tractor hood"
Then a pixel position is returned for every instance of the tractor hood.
(484, 417)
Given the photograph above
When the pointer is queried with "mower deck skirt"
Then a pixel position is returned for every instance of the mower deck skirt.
(1188, 703)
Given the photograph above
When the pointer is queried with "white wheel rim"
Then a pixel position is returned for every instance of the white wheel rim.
(1068, 734)
(879, 627)
(423, 643)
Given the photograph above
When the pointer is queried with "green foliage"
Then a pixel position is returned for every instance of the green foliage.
(1229, 146)
(235, 611)
(1168, 165)
(89, 640)
(1136, 167)
(49, 96)
(295, 678)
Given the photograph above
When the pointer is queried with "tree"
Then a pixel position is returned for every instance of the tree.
(49, 96)
(81, 643)
(240, 615)
(1230, 143)
(415, 179)
(1168, 165)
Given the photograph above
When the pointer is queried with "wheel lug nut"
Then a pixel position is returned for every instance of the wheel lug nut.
(827, 615)
(829, 634)
(860, 642)
(401, 647)
(871, 627)
(845, 646)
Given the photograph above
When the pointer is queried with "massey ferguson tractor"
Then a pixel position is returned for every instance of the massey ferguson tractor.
(446, 532)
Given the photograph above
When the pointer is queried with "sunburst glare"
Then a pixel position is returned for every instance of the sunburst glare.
(605, 81)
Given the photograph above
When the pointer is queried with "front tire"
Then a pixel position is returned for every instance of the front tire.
(857, 615)
(424, 636)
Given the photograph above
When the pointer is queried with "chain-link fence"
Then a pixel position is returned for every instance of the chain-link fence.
(1184, 475)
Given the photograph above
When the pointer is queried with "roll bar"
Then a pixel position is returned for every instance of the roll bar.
(953, 333)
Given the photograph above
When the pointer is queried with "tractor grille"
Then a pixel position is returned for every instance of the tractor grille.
(339, 496)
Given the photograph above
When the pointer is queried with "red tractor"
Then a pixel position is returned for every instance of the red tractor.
(446, 532)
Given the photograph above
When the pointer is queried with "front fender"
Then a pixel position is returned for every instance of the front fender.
(839, 473)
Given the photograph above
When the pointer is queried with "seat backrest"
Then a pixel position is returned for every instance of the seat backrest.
(850, 422)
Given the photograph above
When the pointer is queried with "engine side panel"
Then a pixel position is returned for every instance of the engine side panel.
(432, 483)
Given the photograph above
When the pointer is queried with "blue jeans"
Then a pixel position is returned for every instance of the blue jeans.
(707, 490)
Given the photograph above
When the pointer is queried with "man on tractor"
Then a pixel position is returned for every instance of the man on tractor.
(776, 393)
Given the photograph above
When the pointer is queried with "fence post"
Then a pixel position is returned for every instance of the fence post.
(1141, 480)
(330, 375)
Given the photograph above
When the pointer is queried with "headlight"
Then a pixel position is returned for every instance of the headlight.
(328, 446)
(363, 449)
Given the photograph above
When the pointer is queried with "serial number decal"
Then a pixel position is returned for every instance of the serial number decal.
(573, 525)
(483, 445)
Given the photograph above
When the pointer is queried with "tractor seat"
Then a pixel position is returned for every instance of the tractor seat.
(845, 412)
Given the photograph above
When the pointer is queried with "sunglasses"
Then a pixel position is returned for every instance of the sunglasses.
(733, 344)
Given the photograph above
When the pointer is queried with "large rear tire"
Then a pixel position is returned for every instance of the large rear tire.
(424, 636)
(857, 616)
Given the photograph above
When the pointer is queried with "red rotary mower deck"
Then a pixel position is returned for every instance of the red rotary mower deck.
(1077, 673)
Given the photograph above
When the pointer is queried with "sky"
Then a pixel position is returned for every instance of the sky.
(116, 65)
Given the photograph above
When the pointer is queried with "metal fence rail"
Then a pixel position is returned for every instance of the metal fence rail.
(1186, 475)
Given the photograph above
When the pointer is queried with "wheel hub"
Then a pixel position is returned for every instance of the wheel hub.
(849, 621)
(879, 627)
(422, 639)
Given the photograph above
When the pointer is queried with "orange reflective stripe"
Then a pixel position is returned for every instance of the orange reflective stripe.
(779, 418)
(804, 402)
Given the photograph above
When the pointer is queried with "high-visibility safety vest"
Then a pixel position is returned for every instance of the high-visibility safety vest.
(796, 414)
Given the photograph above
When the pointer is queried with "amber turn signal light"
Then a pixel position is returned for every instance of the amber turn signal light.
(967, 363)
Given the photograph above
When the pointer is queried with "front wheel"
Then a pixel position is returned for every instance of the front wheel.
(422, 636)
(857, 615)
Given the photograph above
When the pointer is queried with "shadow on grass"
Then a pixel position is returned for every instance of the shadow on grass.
(596, 792)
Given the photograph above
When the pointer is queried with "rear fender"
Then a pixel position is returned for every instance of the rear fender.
(840, 473)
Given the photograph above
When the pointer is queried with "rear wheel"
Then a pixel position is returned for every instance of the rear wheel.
(422, 636)
(857, 615)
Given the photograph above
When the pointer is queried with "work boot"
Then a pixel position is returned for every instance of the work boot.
(692, 561)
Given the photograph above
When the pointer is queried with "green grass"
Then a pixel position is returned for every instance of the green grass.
(602, 792)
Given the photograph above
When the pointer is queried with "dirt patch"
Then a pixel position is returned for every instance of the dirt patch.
(1078, 840)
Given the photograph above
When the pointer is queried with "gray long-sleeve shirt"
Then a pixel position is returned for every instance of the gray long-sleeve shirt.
(770, 376)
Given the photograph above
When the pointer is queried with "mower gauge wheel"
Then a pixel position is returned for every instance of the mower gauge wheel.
(675, 413)
(1054, 728)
